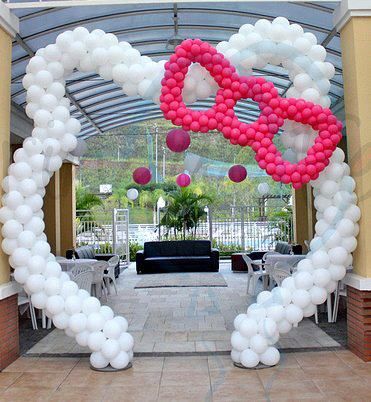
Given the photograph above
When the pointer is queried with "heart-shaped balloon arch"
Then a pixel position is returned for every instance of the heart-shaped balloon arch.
(320, 164)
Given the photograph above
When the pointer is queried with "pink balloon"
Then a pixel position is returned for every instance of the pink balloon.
(178, 140)
(183, 180)
(142, 175)
(237, 173)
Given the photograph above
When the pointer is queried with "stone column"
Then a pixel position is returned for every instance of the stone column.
(68, 207)
(303, 215)
(353, 21)
(9, 339)
(52, 214)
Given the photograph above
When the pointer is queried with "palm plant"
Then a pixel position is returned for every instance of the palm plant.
(85, 201)
(184, 212)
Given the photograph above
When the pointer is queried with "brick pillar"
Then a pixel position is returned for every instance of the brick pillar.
(359, 322)
(353, 21)
(9, 337)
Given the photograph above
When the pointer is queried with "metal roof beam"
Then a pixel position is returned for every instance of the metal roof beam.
(79, 3)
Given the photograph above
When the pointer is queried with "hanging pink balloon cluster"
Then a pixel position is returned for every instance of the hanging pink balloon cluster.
(237, 173)
(183, 180)
(258, 135)
(142, 175)
(178, 140)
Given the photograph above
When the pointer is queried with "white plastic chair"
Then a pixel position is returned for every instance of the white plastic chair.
(79, 268)
(84, 280)
(268, 266)
(341, 290)
(280, 271)
(99, 285)
(254, 275)
(110, 276)
(25, 301)
(58, 258)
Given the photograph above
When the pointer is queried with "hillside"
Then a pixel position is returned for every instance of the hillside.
(111, 159)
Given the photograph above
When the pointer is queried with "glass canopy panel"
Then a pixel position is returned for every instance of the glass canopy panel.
(148, 27)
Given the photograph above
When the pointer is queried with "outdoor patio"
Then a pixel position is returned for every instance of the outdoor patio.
(330, 376)
(184, 320)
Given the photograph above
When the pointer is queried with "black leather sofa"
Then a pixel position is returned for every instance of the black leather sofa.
(89, 252)
(177, 256)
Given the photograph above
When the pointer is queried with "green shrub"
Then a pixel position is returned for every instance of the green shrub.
(134, 247)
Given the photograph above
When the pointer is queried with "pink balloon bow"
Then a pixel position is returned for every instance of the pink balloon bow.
(258, 135)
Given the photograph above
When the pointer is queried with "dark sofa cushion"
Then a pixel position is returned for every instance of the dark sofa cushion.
(177, 248)
(182, 258)
(85, 252)
(283, 247)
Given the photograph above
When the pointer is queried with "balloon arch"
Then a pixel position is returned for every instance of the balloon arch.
(309, 131)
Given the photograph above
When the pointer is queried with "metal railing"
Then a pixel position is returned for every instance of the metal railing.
(107, 233)
(242, 227)
(230, 228)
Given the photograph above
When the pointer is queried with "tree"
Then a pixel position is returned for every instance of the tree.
(185, 211)
(148, 199)
(85, 201)
(120, 198)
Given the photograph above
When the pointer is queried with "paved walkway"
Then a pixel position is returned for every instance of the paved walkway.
(193, 319)
(320, 376)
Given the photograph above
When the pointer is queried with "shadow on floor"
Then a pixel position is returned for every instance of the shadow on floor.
(28, 337)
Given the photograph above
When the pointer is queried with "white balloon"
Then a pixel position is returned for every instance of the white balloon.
(120, 361)
(126, 342)
(95, 322)
(132, 194)
(293, 314)
(236, 356)
(239, 342)
(112, 329)
(248, 327)
(338, 255)
(238, 320)
(270, 357)
(318, 295)
(110, 348)
(301, 298)
(77, 323)
(96, 340)
(98, 361)
(258, 344)
(249, 358)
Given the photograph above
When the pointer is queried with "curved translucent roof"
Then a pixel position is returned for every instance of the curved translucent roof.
(101, 106)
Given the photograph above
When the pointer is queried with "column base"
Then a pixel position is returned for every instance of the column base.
(359, 322)
(9, 331)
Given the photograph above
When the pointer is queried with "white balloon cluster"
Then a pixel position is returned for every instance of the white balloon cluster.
(275, 312)
(54, 136)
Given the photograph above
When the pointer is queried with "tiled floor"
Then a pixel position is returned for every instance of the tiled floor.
(327, 376)
(195, 319)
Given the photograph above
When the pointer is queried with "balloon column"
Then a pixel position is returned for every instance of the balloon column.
(323, 165)
(237, 173)
(309, 130)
